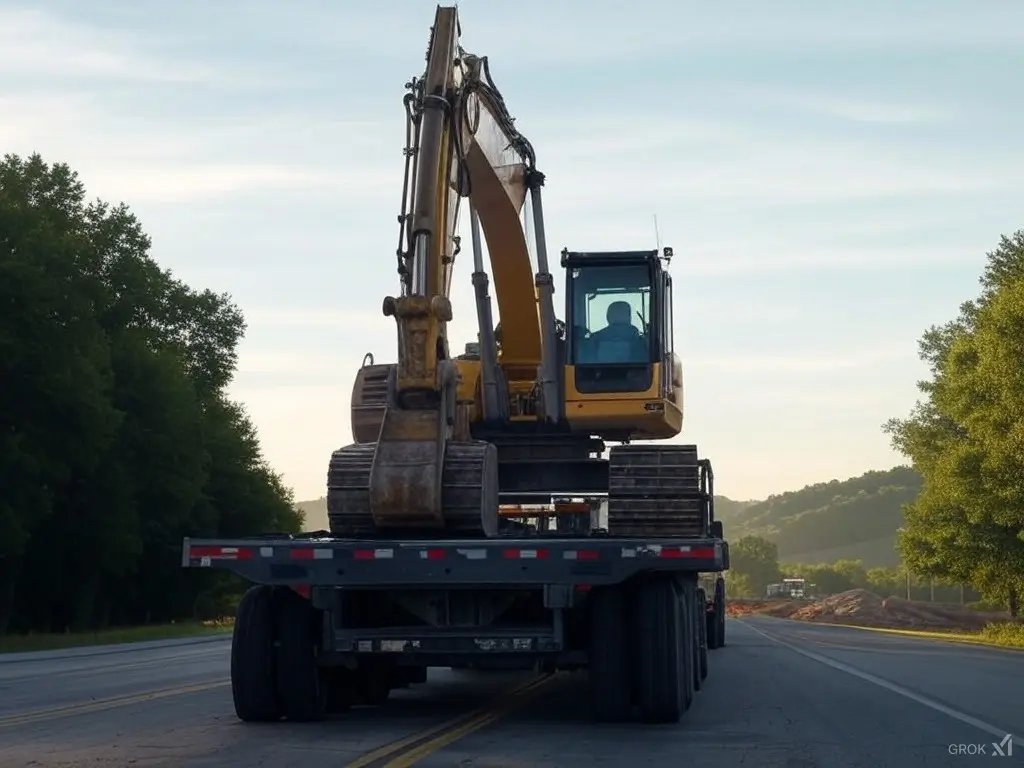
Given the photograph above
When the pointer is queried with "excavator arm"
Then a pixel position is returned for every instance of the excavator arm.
(465, 144)
(462, 144)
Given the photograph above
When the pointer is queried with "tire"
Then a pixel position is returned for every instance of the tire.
(609, 661)
(373, 684)
(702, 627)
(416, 675)
(664, 673)
(253, 658)
(699, 629)
(720, 612)
(340, 691)
(688, 620)
(301, 688)
(711, 629)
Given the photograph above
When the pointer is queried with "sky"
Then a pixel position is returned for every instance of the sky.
(830, 177)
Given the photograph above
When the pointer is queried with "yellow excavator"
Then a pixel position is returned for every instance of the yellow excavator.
(442, 440)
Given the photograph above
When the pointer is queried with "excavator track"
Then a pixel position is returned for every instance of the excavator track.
(469, 492)
(656, 491)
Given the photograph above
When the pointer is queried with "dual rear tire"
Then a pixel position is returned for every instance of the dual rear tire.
(274, 648)
(715, 618)
(645, 650)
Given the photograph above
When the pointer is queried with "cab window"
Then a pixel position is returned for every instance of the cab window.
(611, 315)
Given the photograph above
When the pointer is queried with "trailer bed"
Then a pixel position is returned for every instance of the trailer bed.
(334, 562)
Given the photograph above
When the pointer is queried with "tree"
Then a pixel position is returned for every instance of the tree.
(967, 440)
(756, 562)
(117, 437)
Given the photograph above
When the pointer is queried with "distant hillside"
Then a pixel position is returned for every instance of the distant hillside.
(727, 509)
(316, 512)
(852, 519)
(825, 522)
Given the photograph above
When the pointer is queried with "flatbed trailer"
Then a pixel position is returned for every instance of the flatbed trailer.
(333, 622)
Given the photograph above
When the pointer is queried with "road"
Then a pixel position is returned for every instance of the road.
(780, 694)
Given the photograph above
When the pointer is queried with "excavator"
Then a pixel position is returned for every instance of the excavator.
(480, 518)
(443, 441)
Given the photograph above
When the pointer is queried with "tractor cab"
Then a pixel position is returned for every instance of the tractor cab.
(618, 320)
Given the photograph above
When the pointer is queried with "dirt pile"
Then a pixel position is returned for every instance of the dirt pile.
(863, 608)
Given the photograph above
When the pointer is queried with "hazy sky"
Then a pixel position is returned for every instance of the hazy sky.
(829, 175)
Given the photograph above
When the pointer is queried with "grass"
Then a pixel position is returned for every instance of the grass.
(1000, 634)
(50, 642)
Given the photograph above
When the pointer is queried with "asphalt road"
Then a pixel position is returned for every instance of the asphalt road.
(780, 694)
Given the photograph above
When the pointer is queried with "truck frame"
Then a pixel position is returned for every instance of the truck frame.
(334, 622)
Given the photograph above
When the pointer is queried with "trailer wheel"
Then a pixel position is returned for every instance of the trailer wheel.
(415, 675)
(340, 690)
(252, 657)
(373, 683)
(688, 660)
(695, 633)
(300, 686)
(702, 628)
(699, 627)
(720, 612)
(663, 652)
(609, 660)
(711, 628)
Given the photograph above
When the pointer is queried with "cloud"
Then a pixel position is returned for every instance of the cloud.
(799, 364)
(605, 35)
(854, 110)
(319, 318)
(173, 159)
(36, 43)
(736, 258)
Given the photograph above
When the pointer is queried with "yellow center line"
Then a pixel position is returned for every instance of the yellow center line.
(432, 739)
(101, 705)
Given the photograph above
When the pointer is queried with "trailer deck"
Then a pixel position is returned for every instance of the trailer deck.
(507, 562)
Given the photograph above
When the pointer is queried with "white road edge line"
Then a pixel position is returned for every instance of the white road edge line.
(963, 717)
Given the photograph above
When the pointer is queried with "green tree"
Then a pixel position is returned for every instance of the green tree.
(966, 438)
(117, 437)
(754, 563)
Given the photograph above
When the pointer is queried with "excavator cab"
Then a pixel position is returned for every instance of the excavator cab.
(622, 379)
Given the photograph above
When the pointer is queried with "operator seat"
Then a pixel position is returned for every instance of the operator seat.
(620, 341)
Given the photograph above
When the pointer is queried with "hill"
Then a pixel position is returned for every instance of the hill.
(821, 523)
(315, 512)
(854, 519)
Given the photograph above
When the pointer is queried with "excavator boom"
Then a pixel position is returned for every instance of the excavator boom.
(418, 472)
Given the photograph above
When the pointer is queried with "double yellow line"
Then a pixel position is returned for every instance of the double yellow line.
(398, 754)
(101, 705)
(410, 750)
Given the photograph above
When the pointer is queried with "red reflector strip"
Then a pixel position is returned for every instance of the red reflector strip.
(303, 589)
(311, 553)
(373, 554)
(582, 554)
(433, 554)
(702, 553)
(222, 553)
(525, 554)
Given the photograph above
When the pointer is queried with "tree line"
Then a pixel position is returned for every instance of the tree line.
(755, 565)
(966, 438)
(117, 437)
